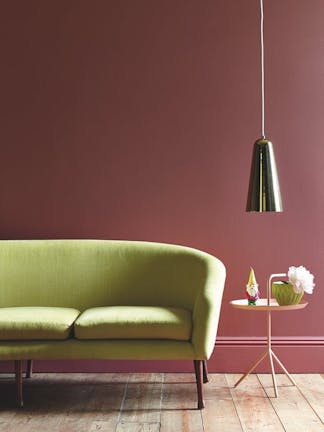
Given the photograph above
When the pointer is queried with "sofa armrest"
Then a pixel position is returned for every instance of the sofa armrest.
(207, 310)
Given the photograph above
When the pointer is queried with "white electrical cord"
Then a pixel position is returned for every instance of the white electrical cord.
(262, 70)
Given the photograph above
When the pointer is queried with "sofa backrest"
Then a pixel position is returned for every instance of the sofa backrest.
(90, 273)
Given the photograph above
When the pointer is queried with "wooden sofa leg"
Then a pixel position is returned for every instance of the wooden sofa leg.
(205, 372)
(29, 369)
(18, 374)
(199, 380)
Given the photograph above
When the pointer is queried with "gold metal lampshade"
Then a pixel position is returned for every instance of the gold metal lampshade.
(264, 190)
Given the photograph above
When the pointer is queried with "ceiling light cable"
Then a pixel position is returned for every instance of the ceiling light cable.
(262, 68)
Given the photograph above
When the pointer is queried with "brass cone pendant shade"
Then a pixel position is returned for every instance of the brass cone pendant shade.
(264, 190)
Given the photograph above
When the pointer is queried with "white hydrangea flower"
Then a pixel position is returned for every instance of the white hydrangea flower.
(301, 279)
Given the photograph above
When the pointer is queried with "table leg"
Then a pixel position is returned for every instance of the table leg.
(283, 368)
(252, 367)
(273, 374)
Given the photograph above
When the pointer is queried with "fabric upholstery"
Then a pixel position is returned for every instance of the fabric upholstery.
(75, 349)
(86, 274)
(21, 323)
(83, 274)
(134, 322)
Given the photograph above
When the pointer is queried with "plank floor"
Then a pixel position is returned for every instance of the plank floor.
(161, 403)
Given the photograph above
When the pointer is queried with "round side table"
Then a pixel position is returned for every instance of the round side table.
(268, 305)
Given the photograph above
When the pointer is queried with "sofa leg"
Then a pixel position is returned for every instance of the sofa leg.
(205, 371)
(18, 374)
(29, 368)
(199, 380)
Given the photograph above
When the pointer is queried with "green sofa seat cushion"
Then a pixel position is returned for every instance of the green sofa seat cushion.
(36, 323)
(134, 322)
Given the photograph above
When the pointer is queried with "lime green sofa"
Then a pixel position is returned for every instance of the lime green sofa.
(105, 299)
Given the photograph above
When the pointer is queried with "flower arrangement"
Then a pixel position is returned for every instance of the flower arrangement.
(301, 279)
(290, 292)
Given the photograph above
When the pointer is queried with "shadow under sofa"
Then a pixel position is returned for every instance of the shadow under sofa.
(108, 299)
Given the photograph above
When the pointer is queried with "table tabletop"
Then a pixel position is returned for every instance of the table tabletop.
(262, 305)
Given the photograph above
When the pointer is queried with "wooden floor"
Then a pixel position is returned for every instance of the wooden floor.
(161, 402)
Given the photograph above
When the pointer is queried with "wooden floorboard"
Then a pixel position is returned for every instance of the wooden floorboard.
(142, 403)
(294, 410)
(179, 403)
(312, 388)
(161, 403)
(220, 409)
(253, 406)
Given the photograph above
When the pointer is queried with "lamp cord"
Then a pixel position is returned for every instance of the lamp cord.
(262, 68)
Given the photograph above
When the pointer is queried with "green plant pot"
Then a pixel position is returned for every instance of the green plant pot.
(284, 293)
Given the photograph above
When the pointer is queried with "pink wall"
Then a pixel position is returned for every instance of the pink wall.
(136, 120)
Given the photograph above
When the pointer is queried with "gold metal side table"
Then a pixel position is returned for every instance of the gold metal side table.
(269, 305)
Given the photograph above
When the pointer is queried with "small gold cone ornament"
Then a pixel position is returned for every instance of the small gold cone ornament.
(252, 291)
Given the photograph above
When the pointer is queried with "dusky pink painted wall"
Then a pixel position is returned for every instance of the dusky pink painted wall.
(136, 120)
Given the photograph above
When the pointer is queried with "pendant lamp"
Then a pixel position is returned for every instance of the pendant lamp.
(264, 189)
